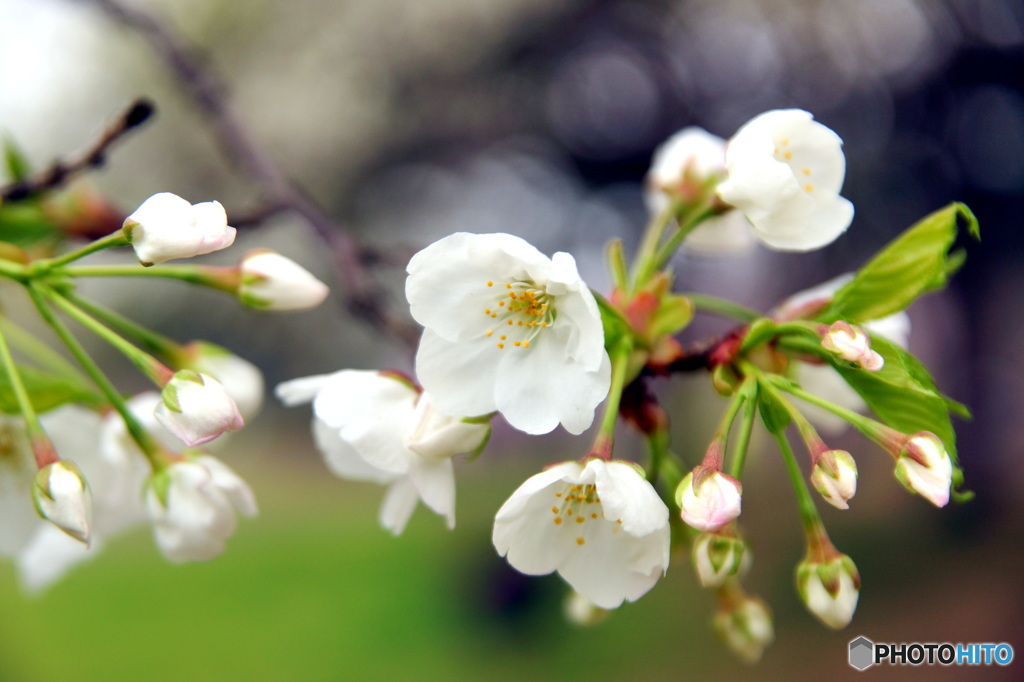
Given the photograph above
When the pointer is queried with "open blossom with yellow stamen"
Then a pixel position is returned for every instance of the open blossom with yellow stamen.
(601, 526)
(785, 171)
(507, 329)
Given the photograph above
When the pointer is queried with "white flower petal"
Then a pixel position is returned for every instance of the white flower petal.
(399, 502)
(434, 480)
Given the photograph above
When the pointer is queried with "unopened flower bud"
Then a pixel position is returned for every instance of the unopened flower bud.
(835, 477)
(196, 408)
(241, 379)
(708, 499)
(193, 506)
(829, 590)
(745, 627)
(581, 611)
(166, 226)
(269, 281)
(925, 468)
(439, 436)
(719, 557)
(62, 497)
(853, 345)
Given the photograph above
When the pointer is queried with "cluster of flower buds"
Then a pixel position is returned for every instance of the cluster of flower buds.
(99, 474)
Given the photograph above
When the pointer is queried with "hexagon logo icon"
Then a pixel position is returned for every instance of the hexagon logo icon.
(862, 653)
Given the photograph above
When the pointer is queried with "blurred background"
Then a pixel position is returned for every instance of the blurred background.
(409, 120)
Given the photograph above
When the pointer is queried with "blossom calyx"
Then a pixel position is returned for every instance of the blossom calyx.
(166, 227)
(785, 171)
(829, 589)
(708, 499)
(270, 281)
(718, 557)
(62, 497)
(197, 408)
(193, 505)
(745, 626)
(925, 468)
(852, 344)
(835, 477)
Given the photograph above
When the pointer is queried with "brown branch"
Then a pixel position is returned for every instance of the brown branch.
(363, 297)
(93, 156)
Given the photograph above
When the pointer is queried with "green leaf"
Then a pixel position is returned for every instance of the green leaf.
(616, 326)
(916, 262)
(23, 224)
(903, 393)
(15, 160)
(45, 390)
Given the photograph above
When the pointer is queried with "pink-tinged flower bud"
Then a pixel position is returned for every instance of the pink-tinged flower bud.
(718, 558)
(925, 468)
(269, 281)
(166, 226)
(745, 627)
(708, 499)
(62, 497)
(193, 506)
(829, 590)
(853, 345)
(241, 379)
(835, 477)
(196, 408)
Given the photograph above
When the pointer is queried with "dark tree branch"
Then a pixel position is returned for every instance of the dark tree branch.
(363, 296)
(93, 156)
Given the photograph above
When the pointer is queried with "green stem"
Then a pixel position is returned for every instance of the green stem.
(808, 512)
(223, 278)
(694, 219)
(643, 263)
(617, 265)
(152, 341)
(13, 270)
(605, 440)
(157, 458)
(869, 427)
(723, 307)
(40, 352)
(41, 446)
(112, 239)
(743, 437)
(157, 372)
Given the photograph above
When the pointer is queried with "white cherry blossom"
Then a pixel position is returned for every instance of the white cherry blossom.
(822, 379)
(193, 506)
(709, 499)
(601, 526)
(240, 378)
(62, 497)
(166, 226)
(197, 408)
(507, 329)
(835, 477)
(925, 468)
(373, 426)
(270, 281)
(682, 168)
(830, 590)
(785, 172)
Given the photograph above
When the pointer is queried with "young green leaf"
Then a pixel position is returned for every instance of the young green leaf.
(916, 262)
(46, 391)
